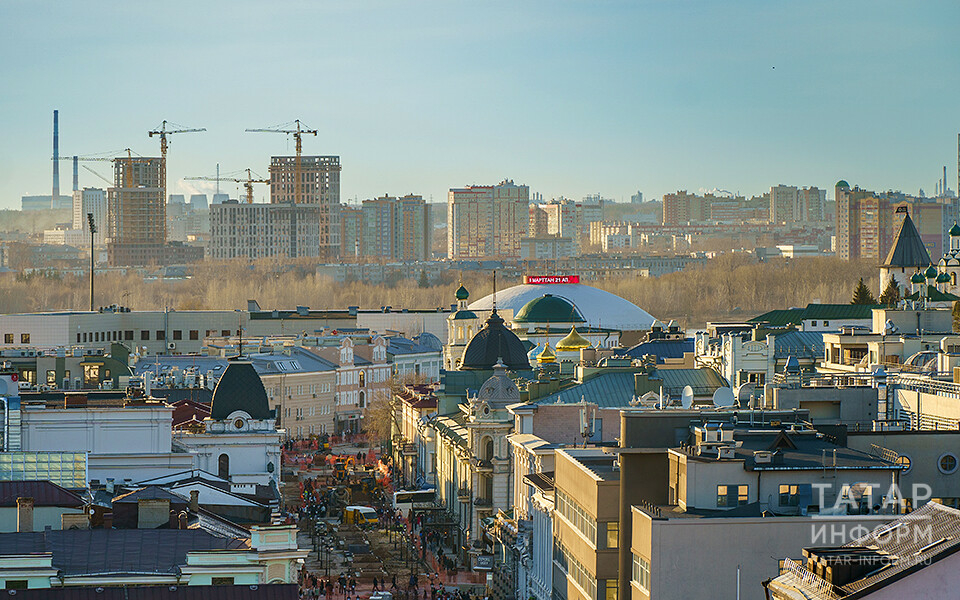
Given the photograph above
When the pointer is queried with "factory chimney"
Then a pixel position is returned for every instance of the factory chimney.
(56, 159)
(76, 175)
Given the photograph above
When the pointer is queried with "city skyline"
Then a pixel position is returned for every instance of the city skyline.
(567, 99)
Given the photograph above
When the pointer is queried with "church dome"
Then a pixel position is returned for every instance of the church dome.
(917, 278)
(931, 272)
(499, 391)
(843, 184)
(955, 230)
(547, 356)
(462, 293)
(240, 388)
(492, 343)
(943, 278)
(549, 309)
(573, 341)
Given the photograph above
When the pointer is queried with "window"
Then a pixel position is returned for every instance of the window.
(577, 515)
(789, 496)
(128, 335)
(177, 334)
(610, 590)
(947, 463)
(826, 323)
(225, 333)
(8, 338)
(194, 334)
(24, 338)
(221, 581)
(641, 572)
(15, 584)
(813, 323)
(144, 335)
(904, 461)
(613, 535)
(161, 335)
(729, 496)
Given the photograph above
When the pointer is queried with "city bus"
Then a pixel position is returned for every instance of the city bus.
(405, 500)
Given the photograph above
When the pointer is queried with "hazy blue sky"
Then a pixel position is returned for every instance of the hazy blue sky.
(567, 97)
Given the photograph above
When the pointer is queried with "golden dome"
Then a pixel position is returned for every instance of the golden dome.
(547, 355)
(573, 341)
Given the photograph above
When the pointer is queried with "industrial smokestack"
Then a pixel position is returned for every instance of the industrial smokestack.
(56, 158)
(945, 180)
(76, 175)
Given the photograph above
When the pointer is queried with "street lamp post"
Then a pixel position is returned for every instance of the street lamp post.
(93, 231)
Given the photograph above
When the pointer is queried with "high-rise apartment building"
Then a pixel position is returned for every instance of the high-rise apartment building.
(789, 204)
(253, 231)
(351, 232)
(136, 212)
(867, 221)
(319, 185)
(569, 219)
(396, 228)
(681, 208)
(92, 201)
(487, 221)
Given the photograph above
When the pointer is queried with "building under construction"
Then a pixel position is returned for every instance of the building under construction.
(319, 184)
(137, 227)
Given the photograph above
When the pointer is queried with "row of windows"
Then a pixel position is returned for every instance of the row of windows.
(729, 496)
(324, 409)
(128, 335)
(8, 338)
(575, 570)
(577, 515)
(641, 572)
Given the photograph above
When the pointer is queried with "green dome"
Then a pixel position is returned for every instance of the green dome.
(843, 184)
(464, 314)
(931, 272)
(462, 293)
(943, 278)
(955, 230)
(549, 309)
(917, 278)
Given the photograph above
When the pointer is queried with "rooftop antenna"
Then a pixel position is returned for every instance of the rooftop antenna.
(494, 290)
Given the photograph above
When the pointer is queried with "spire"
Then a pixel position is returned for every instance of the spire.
(494, 290)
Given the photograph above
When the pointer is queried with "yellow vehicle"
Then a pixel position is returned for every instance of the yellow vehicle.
(360, 515)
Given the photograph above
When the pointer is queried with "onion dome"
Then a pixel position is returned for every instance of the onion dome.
(462, 293)
(843, 184)
(494, 343)
(573, 341)
(943, 278)
(955, 230)
(547, 356)
(917, 278)
(931, 272)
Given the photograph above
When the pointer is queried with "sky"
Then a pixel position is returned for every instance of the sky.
(568, 97)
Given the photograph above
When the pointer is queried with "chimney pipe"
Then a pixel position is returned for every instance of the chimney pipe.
(194, 500)
(76, 174)
(56, 159)
(24, 515)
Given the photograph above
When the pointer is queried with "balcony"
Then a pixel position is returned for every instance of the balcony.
(483, 502)
(484, 466)
(463, 495)
(409, 449)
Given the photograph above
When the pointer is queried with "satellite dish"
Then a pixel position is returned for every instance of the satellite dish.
(686, 397)
(723, 397)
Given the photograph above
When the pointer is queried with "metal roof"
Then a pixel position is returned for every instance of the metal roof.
(908, 250)
(662, 349)
(800, 344)
(44, 493)
(607, 390)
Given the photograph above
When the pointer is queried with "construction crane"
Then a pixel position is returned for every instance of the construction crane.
(76, 160)
(247, 183)
(163, 132)
(297, 134)
(110, 183)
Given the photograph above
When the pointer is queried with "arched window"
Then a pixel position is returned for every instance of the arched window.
(363, 379)
(223, 466)
(363, 398)
(487, 448)
(459, 332)
(953, 279)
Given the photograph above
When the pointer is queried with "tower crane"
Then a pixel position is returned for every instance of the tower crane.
(297, 134)
(76, 163)
(247, 183)
(163, 132)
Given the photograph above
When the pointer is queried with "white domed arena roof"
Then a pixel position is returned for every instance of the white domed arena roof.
(598, 307)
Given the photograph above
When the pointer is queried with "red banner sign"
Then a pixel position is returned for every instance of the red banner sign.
(541, 279)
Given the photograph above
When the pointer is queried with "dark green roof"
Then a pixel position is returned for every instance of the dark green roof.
(827, 312)
(549, 309)
(908, 250)
(843, 184)
(934, 295)
(462, 293)
(955, 230)
(464, 314)
(240, 388)
(917, 277)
